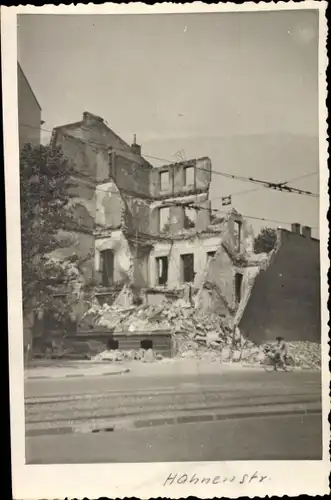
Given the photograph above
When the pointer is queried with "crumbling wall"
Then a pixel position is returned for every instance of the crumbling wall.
(137, 215)
(220, 274)
(177, 185)
(230, 259)
(177, 213)
(198, 246)
(285, 298)
(132, 174)
(140, 266)
(110, 206)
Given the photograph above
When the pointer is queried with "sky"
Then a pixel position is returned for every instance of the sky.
(240, 88)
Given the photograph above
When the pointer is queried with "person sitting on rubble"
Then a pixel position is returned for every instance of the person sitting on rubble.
(280, 353)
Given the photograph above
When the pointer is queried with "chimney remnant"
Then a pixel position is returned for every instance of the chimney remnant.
(295, 228)
(135, 148)
(306, 231)
(91, 119)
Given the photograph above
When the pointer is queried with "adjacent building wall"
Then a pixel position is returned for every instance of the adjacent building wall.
(29, 111)
(285, 298)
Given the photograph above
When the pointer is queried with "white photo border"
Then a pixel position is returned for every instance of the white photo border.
(147, 480)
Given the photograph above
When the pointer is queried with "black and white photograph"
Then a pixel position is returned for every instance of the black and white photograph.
(169, 278)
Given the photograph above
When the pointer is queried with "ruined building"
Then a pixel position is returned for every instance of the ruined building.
(147, 233)
(149, 228)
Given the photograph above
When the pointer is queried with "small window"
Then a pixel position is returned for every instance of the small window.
(164, 181)
(162, 270)
(237, 235)
(107, 267)
(189, 176)
(187, 267)
(238, 285)
(110, 162)
(190, 217)
(146, 344)
(112, 344)
(164, 219)
(210, 255)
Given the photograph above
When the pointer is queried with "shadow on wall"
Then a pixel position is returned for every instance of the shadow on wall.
(285, 298)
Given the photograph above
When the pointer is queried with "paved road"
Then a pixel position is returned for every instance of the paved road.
(272, 438)
(253, 414)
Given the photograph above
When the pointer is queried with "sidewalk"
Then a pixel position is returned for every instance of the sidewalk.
(74, 370)
(167, 367)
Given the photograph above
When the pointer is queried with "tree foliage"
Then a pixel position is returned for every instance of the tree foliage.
(45, 176)
(265, 241)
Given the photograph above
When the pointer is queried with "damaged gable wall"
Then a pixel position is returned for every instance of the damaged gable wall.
(285, 298)
(231, 259)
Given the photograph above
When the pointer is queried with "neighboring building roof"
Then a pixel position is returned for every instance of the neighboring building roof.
(20, 70)
(97, 119)
(65, 129)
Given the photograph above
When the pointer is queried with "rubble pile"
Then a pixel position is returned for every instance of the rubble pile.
(195, 332)
(304, 354)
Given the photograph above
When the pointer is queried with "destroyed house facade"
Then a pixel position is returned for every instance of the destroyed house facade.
(148, 233)
(144, 227)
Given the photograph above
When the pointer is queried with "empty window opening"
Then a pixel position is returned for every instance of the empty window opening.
(107, 267)
(187, 267)
(190, 217)
(238, 285)
(164, 219)
(189, 176)
(112, 344)
(162, 270)
(146, 344)
(237, 235)
(164, 180)
(110, 162)
(210, 255)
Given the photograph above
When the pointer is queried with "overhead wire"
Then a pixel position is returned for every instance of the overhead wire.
(278, 186)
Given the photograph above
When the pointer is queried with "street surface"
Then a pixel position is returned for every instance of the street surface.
(238, 415)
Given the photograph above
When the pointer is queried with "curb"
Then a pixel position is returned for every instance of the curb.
(104, 374)
(156, 422)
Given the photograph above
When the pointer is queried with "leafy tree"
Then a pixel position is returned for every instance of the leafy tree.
(265, 241)
(45, 176)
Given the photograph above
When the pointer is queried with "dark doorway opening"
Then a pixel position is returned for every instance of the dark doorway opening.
(112, 344)
(238, 285)
(107, 267)
(187, 267)
(162, 270)
(237, 235)
(146, 344)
